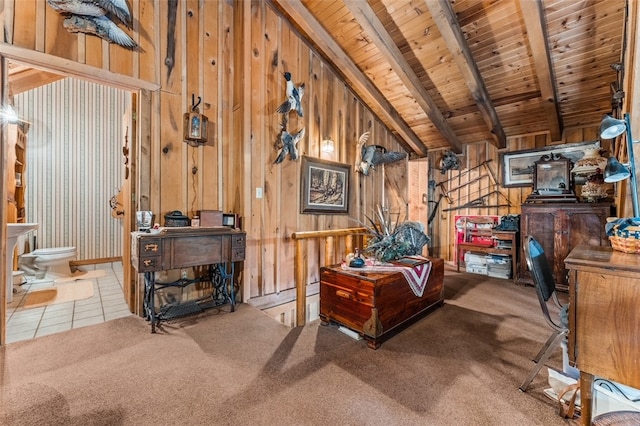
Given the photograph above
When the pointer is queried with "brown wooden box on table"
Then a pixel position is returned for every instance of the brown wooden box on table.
(376, 305)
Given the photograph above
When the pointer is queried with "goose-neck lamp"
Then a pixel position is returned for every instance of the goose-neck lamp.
(611, 128)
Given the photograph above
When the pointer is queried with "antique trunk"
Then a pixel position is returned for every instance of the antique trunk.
(376, 305)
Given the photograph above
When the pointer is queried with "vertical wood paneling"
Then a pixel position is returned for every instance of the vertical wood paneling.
(254, 210)
(212, 94)
(273, 83)
(26, 12)
(442, 228)
(59, 41)
(74, 165)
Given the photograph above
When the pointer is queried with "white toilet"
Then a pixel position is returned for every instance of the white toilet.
(48, 262)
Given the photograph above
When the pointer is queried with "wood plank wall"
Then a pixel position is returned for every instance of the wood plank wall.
(330, 110)
(443, 226)
(235, 65)
(232, 54)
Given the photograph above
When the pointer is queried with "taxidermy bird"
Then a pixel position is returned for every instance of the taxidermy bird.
(373, 155)
(294, 97)
(289, 145)
(101, 26)
(117, 8)
(94, 17)
(449, 161)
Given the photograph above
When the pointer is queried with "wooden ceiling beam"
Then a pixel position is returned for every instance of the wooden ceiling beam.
(359, 82)
(534, 21)
(447, 22)
(375, 30)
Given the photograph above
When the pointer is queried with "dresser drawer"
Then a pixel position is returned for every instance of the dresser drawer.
(238, 240)
(150, 247)
(150, 263)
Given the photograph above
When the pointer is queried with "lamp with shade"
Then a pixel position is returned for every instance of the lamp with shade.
(611, 128)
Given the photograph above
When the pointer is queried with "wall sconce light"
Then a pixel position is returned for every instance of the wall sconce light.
(196, 125)
(327, 145)
(9, 115)
(614, 171)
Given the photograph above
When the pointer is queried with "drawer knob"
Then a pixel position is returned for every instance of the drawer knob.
(151, 247)
(147, 262)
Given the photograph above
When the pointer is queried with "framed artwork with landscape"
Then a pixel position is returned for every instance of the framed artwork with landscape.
(324, 186)
(518, 166)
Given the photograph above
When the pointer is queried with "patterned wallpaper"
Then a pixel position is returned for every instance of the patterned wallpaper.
(74, 165)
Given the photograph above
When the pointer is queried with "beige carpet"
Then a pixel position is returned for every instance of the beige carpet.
(461, 365)
(59, 293)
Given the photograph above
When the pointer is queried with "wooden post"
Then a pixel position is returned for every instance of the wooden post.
(301, 282)
(301, 261)
(329, 250)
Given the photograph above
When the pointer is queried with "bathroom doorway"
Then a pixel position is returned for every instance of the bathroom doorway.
(39, 62)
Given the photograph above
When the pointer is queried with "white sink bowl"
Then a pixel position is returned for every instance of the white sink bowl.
(14, 230)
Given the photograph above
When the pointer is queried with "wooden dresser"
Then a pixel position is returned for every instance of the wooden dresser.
(604, 319)
(559, 227)
(376, 305)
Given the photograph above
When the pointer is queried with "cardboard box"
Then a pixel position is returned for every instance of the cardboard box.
(210, 218)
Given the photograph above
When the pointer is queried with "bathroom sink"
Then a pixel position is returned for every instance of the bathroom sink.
(14, 230)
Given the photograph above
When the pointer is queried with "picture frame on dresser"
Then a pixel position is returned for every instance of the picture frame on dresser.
(324, 186)
(517, 167)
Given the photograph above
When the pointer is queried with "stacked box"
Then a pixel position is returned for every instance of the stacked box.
(499, 266)
(475, 263)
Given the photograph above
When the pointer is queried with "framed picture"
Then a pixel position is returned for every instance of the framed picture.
(552, 175)
(324, 186)
(518, 166)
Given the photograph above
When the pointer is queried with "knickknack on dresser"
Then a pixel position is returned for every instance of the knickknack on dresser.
(559, 227)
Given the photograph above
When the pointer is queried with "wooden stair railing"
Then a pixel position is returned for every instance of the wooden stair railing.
(301, 260)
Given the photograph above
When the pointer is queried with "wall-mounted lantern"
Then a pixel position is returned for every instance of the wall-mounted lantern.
(196, 125)
(327, 146)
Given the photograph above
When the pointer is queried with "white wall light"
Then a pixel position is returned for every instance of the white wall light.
(327, 146)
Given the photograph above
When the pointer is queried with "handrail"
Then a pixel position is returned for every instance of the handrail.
(300, 261)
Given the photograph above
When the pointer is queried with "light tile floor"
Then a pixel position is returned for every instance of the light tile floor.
(107, 303)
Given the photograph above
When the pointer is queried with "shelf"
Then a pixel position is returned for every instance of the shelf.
(504, 236)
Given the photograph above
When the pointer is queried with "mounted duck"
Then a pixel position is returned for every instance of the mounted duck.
(294, 97)
(289, 145)
(374, 155)
(117, 8)
(95, 17)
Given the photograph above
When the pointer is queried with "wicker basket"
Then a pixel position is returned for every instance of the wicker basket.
(627, 240)
(627, 245)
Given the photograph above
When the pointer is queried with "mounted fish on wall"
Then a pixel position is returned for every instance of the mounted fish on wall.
(95, 17)
(373, 155)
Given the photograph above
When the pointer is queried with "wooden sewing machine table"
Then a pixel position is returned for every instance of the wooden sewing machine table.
(183, 247)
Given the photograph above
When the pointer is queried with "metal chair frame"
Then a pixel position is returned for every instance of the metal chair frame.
(545, 289)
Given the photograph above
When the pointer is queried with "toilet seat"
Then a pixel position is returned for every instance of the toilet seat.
(52, 261)
(53, 251)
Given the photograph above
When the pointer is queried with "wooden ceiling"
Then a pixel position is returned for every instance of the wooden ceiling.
(444, 73)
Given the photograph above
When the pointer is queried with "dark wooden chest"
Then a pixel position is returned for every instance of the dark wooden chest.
(376, 304)
(559, 228)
